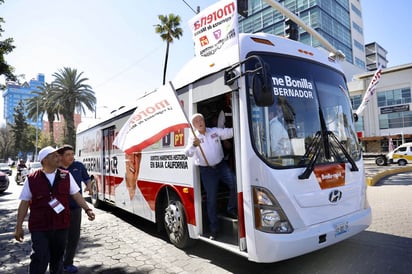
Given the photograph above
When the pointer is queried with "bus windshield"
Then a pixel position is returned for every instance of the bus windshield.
(310, 120)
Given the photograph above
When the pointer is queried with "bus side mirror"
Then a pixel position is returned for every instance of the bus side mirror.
(355, 117)
(262, 87)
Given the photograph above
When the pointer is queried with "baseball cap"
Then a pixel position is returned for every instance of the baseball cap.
(44, 152)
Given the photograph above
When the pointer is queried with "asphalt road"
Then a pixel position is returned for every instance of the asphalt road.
(117, 242)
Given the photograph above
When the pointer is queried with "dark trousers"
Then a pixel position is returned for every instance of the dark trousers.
(73, 236)
(211, 176)
(48, 247)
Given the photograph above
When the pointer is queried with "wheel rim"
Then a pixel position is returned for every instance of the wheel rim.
(94, 190)
(173, 221)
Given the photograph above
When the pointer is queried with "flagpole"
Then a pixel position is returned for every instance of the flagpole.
(189, 122)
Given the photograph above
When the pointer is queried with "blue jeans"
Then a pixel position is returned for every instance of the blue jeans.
(211, 176)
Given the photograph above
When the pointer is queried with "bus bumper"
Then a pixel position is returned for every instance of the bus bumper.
(277, 247)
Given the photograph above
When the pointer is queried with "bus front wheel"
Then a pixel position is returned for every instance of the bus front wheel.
(175, 223)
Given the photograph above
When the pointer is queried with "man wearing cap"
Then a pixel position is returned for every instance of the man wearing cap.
(79, 173)
(212, 167)
(47, 192)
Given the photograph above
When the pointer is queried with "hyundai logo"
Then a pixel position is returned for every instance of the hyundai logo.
(335, 196)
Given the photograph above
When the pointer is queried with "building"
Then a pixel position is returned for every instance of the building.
(15, 93)
(59, 127)
(375, 56)
(388, 114)
(338, 21)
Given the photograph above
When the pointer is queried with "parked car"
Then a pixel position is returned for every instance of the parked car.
(401, 155)
(5, 168)
(4, 182)
(33, 166)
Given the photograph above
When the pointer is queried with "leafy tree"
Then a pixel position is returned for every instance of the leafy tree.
(70, 94)
(20, 129)
(169, 29)
(42, 104)
(6, 46)
(6, 143)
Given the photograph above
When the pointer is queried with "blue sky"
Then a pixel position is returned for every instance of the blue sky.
(114, 44)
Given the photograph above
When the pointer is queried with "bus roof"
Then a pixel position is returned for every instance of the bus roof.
(199, 67)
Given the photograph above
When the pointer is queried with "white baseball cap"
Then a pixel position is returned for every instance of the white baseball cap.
(44, 152)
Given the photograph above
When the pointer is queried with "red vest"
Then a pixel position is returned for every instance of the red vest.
(42, 216)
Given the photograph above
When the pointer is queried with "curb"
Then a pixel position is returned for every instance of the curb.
(371, 181)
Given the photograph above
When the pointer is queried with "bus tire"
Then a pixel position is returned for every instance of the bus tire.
(94, 197)
(381, 160)
(175, 223)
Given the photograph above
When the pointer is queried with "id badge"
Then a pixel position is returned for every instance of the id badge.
(56, 205)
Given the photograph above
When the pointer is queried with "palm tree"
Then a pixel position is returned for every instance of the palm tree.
(168, 28)
(71, 94)
(42, 103)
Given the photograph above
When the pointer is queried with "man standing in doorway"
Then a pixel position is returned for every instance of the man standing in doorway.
(79, 173)
(212, 167)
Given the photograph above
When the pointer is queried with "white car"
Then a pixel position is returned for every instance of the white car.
(33, 166)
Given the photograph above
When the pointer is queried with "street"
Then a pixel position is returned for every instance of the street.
(117, 242)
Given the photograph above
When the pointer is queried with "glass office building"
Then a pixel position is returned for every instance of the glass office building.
(338, 21)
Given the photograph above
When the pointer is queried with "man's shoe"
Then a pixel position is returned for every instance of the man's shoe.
(232, 214)
(213, 236)
(70, 269)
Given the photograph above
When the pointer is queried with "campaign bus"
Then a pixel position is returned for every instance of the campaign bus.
(294, 196)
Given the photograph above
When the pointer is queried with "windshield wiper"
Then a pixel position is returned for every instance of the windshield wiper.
(312, 153)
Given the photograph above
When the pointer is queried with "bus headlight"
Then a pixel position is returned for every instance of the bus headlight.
(269, 216)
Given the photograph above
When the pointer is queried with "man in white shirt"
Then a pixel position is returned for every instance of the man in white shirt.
(279, 139)
(46, 191)
(212, 167)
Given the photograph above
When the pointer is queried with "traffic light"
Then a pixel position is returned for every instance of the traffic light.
(291, 29)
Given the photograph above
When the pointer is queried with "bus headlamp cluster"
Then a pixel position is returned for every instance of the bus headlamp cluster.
(269, 216)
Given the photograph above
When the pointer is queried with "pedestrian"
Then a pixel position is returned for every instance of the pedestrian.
(46, 191)
(212, 167)
(79, 173)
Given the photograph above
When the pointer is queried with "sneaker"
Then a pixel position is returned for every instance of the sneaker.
(213, 235)
(70, 269)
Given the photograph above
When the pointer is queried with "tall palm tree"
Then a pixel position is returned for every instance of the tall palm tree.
(169, 29)
(42, 103)
(70, 94)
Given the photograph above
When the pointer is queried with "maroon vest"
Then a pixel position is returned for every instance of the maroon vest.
(42, 216)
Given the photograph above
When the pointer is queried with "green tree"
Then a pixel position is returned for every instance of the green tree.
(6, 46)
(42, 104)
(169, 29)
(20, 129)
(70, 94)
(6, 143)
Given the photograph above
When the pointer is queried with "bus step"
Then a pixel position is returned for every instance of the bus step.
(229, 230)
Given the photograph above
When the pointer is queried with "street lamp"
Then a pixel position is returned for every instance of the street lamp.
(37, 129)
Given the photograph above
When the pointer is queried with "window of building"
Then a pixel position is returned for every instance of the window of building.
(394, 97)
(356, 10)
(395, 120)
(357, 27)
(358, 45)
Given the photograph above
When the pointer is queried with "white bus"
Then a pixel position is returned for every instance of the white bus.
(295, 195)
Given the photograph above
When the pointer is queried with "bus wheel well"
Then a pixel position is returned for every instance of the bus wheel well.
(171, 218)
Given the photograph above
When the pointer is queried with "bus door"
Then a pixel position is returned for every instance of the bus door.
(109, 163)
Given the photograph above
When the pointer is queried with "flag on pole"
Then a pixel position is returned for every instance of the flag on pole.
(370, 91)
(157, 114)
